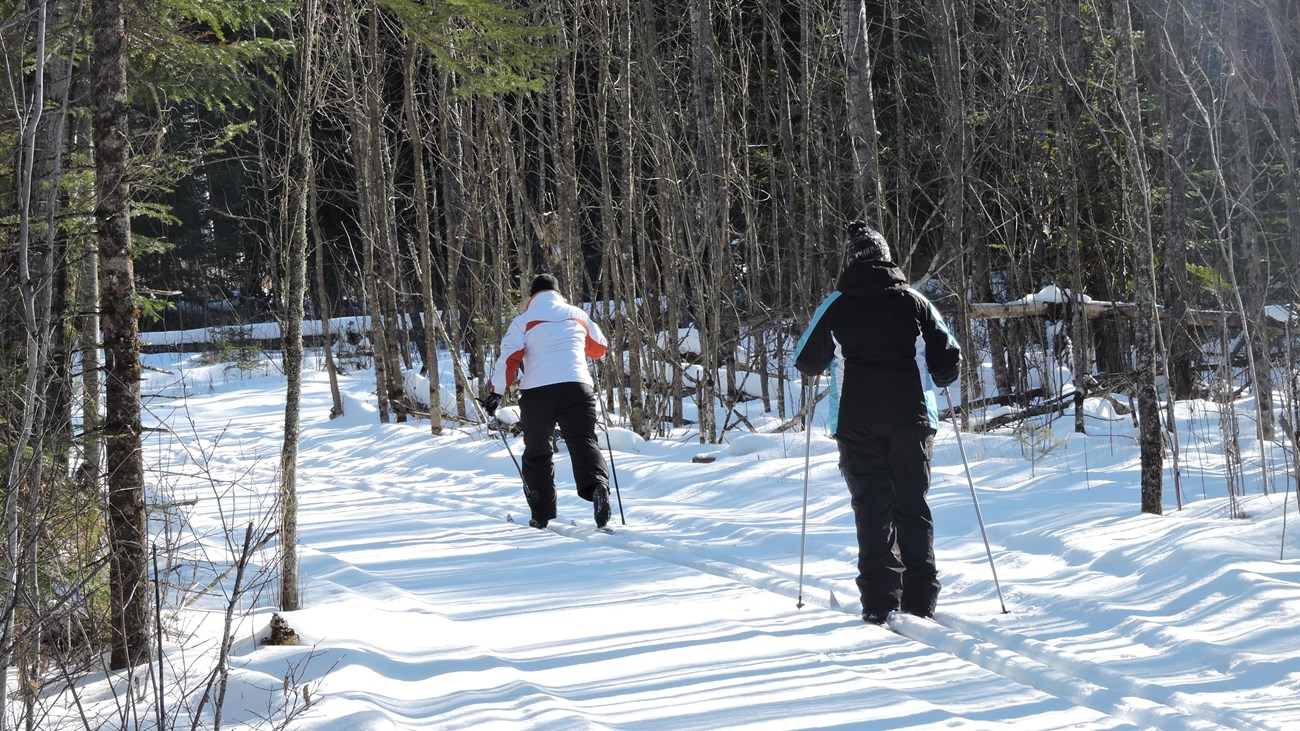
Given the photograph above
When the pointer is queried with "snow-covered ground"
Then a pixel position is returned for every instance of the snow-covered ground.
(427, 609)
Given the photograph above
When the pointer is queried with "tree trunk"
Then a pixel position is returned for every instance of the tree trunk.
(859, 90)
(370, 192)
(1286, 52)
(322, 297)
(294, 214)
(456, 212)
(91, 471)
(23, 472)
(1067, 36)
(568, 200)
(1138, 210)
(358, 145)
(634, 244)
(1244, 216)
(945, 32)
(389, 326)
(709, 212)
(1176, 149)
(423, 239)
(119, 310)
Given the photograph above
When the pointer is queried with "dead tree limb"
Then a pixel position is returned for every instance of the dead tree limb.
(1057, 404)
(798, 418)
(1091, 310)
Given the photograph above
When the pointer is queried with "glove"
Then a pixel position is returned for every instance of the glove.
(946, 378)
(490, 404)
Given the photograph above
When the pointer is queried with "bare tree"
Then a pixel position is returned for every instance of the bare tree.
(119, 310)
(452, 124)
(1244, 214)
(293, 209)
(322, 296)
(1138, 196)
(1170, 29)
(423, 232)
(709, 238)
(1066, 34)
(24, 469)
(859, 92)
(945, 32)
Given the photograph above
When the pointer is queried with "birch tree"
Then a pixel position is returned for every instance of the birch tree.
(24, 454)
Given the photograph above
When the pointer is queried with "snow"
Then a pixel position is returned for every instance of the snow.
(1278, 313)
(1050, 294)
(261, 331)
(426, 609)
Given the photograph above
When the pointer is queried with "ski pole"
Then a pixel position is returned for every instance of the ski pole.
(608, 448)
(518, 468)
(809, 403)
(952, 411)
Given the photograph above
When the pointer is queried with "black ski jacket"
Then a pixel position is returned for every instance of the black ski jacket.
(886, 345)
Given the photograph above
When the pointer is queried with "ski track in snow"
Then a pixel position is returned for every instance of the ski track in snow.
(557, 713)
(1015, 657)
(859, 659)
(675, 537)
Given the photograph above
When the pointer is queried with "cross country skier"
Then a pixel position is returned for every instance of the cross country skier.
(886, 346)
(551, 342)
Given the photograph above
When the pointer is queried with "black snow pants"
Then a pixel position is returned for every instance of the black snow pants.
(887, 469)
(573, 407)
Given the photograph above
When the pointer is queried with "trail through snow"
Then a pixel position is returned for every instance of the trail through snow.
(426, 608)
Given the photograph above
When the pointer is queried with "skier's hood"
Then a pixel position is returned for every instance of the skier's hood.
(873, 278)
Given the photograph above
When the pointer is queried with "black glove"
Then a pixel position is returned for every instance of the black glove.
(947, 377)
(490, 404)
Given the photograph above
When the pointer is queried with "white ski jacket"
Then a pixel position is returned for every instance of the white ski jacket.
(551, 341)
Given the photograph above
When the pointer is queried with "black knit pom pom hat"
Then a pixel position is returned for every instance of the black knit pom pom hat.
(866, 243)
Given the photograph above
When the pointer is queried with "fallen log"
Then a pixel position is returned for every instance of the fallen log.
(1057, 404)
(1056, 311)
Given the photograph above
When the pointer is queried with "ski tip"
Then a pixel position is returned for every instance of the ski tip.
(510, 518)
(835, 604)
